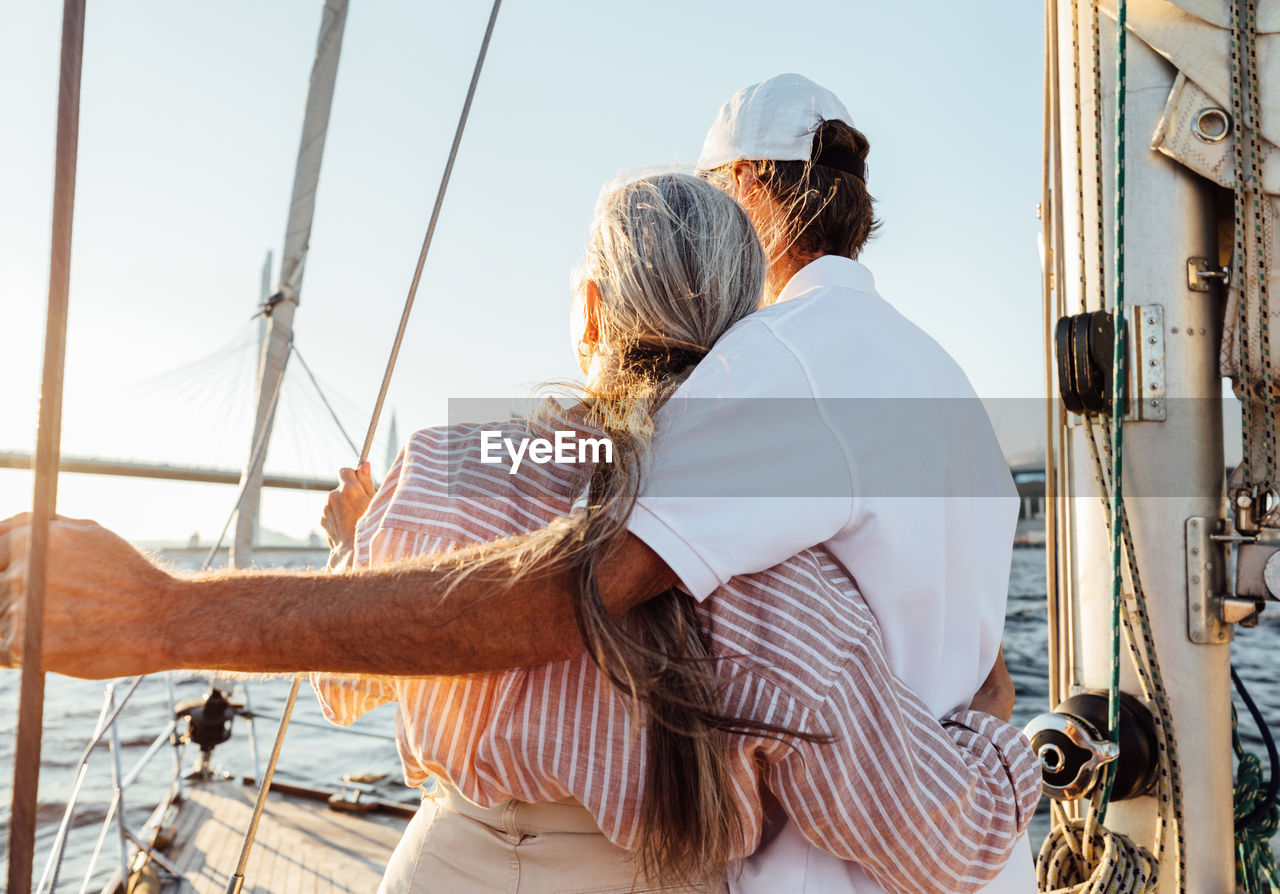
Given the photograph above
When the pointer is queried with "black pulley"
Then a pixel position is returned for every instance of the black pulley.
(1085, 347)
(1074, 750)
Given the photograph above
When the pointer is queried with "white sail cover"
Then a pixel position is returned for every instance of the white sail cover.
(1196, 36)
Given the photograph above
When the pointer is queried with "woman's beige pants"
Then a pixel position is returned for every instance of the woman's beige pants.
(451, 846)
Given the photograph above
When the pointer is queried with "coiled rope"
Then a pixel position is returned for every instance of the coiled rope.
(1081, 856)
(1257, 813)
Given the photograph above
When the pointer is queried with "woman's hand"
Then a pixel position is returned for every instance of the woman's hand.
(346, 503)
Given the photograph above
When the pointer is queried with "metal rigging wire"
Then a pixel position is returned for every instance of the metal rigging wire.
(320, 391)
(431, 230)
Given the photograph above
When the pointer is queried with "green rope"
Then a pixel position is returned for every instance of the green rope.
(1255, 863)
(1117, 411)
(1146, 664)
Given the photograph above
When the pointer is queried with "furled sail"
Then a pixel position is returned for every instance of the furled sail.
(1223, 121)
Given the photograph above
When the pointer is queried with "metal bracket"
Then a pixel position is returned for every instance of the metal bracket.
(1201, 272)
(1205, 583)
(1146, 365)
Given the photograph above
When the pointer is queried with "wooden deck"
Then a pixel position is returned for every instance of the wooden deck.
(302, 845)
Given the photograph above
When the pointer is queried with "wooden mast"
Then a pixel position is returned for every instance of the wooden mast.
(297, 237)
(26, 764)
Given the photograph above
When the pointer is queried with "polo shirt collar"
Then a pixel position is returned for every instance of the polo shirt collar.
(828, 270)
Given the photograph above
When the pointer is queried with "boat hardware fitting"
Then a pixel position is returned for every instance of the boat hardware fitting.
(1073, 751)
(1258, 566)
(1207, 615)
(349, 798)
(1211, 125)
(1201, 272)
(208, 724)
(1084, 346)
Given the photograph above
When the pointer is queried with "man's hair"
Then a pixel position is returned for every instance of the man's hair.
(826, 210)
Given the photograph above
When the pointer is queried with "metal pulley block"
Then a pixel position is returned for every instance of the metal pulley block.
(1074, 751)
(1085, 348)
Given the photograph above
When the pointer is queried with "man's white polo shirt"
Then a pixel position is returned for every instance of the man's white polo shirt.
(829, 418)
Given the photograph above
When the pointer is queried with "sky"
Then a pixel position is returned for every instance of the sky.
(190, 118)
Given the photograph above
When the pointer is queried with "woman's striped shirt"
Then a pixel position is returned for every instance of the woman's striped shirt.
(920, 804)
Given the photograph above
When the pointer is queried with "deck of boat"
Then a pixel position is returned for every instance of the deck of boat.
(302, 845)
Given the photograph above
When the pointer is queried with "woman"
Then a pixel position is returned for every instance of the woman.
(645, 763)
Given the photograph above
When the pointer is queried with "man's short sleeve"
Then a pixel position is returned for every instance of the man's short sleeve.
(746, 470)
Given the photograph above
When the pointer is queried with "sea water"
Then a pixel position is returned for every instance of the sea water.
(320, 756)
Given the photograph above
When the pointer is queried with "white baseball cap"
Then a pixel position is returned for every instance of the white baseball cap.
(774, 119)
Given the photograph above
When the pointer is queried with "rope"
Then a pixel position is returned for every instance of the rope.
(26, 764)
(1257, 813)
(431, 230)
(1151, 681)
(1080, 854)
(1239, 253)
(1075, 90)
(1259, 238)
(1258, 462)
(1096, 31)
(1117, 409)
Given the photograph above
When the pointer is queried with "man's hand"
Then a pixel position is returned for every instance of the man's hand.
(103, 601)
(995, 697)
(346, 503)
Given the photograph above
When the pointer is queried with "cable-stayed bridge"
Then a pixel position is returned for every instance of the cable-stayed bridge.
(194, 423)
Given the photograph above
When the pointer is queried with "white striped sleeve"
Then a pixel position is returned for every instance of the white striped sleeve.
(922, 806)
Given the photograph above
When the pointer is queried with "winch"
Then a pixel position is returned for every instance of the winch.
(208, 723)
(1074, 749)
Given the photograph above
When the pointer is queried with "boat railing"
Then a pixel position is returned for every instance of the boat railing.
(107, 728)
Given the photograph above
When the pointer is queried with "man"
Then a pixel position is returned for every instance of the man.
(826, 418)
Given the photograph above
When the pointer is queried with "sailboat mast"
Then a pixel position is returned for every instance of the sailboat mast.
(1173, 452)
(264, 293)
(297, 237)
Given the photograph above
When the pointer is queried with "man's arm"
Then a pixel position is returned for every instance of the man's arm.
(110, 612)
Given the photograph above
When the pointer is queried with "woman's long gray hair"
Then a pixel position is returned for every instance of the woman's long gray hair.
(677, 262)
